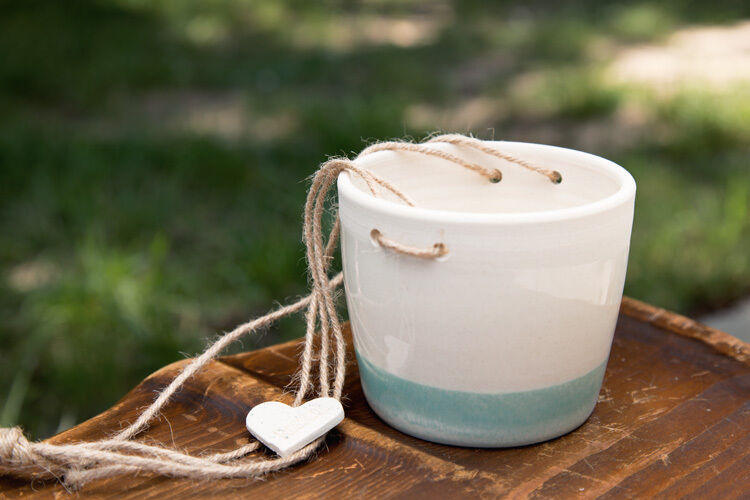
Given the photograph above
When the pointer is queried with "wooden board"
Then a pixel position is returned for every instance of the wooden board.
(673, 419)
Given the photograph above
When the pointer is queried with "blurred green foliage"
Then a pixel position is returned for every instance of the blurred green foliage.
(153, 157)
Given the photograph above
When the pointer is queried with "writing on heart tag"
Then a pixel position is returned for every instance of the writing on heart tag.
(286, 429)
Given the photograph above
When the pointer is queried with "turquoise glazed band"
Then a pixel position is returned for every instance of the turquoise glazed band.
(476, 419)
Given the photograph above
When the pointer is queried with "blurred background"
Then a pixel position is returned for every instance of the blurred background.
(154, 156)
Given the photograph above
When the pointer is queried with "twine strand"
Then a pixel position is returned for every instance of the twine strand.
(436, 251)
(78, 463)
(471, 142)
(493, 175)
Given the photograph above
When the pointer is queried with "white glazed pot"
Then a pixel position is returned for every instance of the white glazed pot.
(504, 340)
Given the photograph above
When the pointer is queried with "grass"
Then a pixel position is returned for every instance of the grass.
(153, 157)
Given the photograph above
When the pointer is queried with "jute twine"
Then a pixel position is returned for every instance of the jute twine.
(78, 463)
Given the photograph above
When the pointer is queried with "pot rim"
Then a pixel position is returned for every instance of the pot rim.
(624, 193)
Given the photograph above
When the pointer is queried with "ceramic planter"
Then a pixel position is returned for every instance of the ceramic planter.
(503, 341)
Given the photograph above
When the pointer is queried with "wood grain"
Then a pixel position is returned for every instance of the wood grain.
(673, 419)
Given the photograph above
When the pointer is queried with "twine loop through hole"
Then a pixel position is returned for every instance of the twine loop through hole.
(436, 251)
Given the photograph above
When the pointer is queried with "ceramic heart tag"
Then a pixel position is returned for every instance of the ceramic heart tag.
(286, 429)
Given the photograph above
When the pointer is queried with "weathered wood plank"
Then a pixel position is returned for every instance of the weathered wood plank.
(673, 419)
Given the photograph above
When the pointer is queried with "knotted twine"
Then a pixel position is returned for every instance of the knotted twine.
(78, 463)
